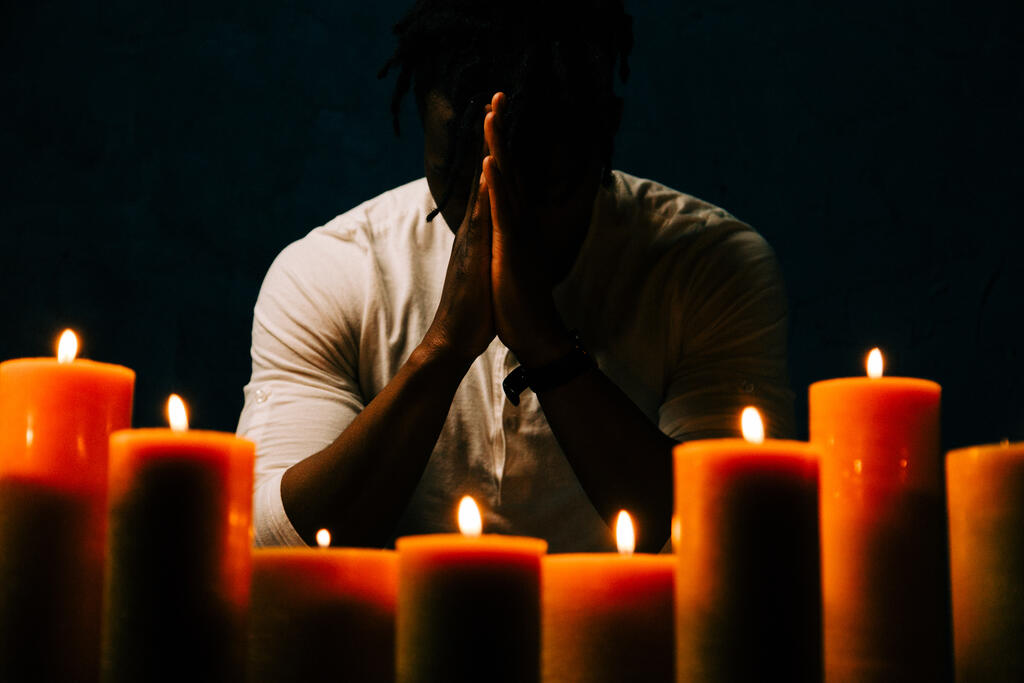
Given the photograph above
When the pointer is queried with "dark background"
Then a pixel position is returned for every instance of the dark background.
(157, 156)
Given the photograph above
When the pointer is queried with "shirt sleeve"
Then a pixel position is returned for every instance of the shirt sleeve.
(304, 389)
(728, 320)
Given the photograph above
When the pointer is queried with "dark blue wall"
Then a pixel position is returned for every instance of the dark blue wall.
(157, 155)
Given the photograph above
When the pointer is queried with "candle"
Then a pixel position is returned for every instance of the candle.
(748, 596)
(323, 614)
(56, 416)
(178, 574)
(608, 617)
(883, 526)
(986, 541)
(468, 605)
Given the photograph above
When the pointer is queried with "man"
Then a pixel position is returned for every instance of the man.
(638, 316)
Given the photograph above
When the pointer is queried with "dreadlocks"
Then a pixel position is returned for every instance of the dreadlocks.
(551, 58)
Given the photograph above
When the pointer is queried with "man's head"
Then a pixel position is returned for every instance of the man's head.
(555, 61)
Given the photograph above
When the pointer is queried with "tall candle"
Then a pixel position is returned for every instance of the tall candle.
(986, 541)
(56, 416)
(884, 565)
(177, 586)
(748, 596)
(607, 617)
(323, 614)
(468, 606)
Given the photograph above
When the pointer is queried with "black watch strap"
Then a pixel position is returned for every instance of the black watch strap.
(554, 374)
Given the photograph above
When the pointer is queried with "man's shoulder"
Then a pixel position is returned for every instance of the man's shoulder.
(402, 207)
(664, 222)
(665, 211)
(365, 229)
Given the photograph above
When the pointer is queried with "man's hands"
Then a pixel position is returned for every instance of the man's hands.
(525, 316)
(497, 281)
(464, 321)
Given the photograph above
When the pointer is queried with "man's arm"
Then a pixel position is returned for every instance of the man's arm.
(733, 356)
(359, 485)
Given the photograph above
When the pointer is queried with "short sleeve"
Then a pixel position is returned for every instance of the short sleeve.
(728, 318)
(304, 390)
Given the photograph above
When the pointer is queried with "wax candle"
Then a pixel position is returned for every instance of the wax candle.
(607, 617)
(468, 606)
(56, 416)
(748, 596)
(986, 541)
(323, 614)
(884, 564)
(178, 572)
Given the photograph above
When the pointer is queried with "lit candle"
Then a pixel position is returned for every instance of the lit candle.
(986, 541)
(607, 617)
(323, 614)
(468, 605)
(883, 527)
(177, 587)
(748, 595)
(56, 415)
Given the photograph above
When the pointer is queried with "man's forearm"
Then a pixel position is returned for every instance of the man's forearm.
(359, 485)
(621, 459)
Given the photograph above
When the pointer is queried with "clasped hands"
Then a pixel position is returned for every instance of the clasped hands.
(496, 282)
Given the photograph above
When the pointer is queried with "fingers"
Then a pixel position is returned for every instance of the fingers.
(481, 216)
(477, 190)
(492, 129)
(498, 203)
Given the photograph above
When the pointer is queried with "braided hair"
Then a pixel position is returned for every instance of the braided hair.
(551, 58)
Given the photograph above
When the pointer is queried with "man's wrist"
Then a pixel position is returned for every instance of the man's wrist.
(439, 357)
(543, 351)
(551, 375)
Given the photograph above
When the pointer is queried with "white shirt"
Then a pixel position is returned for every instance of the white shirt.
(680, 304)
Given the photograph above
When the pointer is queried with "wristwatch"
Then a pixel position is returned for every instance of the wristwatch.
(554, 374)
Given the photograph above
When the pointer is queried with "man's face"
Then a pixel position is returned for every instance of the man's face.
(559, 200)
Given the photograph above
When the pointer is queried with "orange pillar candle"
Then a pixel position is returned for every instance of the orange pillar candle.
(323, 614)
(748, 594)
(177, 588)
(56, 416)
(985, 485)
(468, 606)
(883, 526)
(607, 617)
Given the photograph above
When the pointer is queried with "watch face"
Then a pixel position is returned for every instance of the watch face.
(514, 384)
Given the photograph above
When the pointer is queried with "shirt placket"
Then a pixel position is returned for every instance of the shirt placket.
(498, 426)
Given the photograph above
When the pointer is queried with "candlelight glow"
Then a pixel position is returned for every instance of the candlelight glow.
(67, 347)
(875, 364)
(176, 413)
(625, 538)
(323, 538)
(752, 425)
(469, 517)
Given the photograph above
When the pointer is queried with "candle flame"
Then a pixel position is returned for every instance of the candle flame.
(625, 538)
(67, 347)
(323, 538)
(875, 364)
(752, 425)
(470, 523)
(177, 416)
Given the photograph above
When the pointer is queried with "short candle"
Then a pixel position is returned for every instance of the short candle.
(468, 606)
(177, 588)
(745, 533)
(608, 617)
(323, 614)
